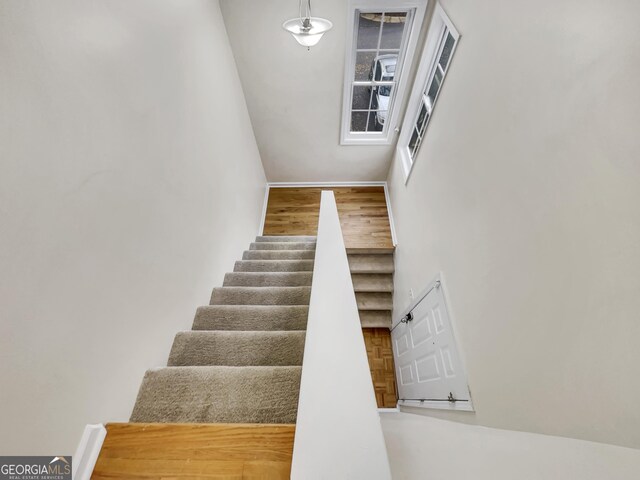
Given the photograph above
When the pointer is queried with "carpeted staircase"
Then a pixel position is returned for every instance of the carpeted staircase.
(372, 276)
(241, 362)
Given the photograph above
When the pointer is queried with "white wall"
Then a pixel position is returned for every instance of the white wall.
(295, 96)
(422, 447)
(526, 196)
(129, 182)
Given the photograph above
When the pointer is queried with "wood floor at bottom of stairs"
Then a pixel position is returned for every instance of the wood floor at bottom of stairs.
(195, 451)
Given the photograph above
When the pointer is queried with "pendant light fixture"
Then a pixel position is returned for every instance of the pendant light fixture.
(307, 30)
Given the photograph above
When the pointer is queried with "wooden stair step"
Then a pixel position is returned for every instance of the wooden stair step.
(195, 450)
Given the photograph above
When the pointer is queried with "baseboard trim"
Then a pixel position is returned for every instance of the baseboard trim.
(326, 184)
(392, 225)
(263, 218)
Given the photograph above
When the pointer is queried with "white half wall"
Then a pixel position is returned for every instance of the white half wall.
(130, 181)
(526, 196)
(337, 436)
(423, 447)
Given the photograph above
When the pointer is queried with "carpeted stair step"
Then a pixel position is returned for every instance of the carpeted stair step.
(218, 395)
(371, 263)
(374, 301)
(278, 255)
(237, 348)
(371, 250)
(375, 318)
(251, 317)
(372, 282)
(268, 279)
(285, 238)
(260, 296)
(273, 266)
(282, 246)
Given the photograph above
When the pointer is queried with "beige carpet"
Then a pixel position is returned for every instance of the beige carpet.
(237, 348)
(241, 362)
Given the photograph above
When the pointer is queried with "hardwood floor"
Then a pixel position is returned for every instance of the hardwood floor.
(195, 451)
(380, 354)
(362, 211)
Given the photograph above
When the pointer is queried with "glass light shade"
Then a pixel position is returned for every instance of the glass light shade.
(308, 38)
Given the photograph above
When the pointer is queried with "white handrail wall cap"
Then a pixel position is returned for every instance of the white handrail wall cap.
(338, 430)
(86, 456)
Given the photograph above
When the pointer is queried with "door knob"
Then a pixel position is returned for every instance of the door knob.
(407, 318)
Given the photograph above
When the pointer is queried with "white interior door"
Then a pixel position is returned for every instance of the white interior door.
(428, 366)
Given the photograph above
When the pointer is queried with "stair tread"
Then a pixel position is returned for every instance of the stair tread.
(371, 263)
(218, 395)
(372, 282)
(278, 255)
(260, 296)
(282, 246)
(375, 318)
(286, 238)
(267, 279)
(192, 451)
(370, 250)
(273, 266)
(237, 348)
(251, 317)
(374, 301)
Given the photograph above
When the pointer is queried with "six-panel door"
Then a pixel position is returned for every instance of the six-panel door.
(428, 365)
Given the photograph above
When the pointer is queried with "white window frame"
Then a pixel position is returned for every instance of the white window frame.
(417, 10)
(434, 43)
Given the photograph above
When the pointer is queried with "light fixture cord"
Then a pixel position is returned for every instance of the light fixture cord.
(306, 20)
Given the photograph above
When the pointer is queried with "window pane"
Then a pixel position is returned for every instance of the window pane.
(380, 103)
(377, 70)
(361, 97)
(364, 65)
(374, 125)
(446, 51)
(423, 117)
(413, 141)
(434, 88)
(392, 29)
(359, 121)
(414, 153)
(386, 64)
(369, 30)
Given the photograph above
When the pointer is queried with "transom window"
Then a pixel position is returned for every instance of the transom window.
(382, 42)
(439, 49)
